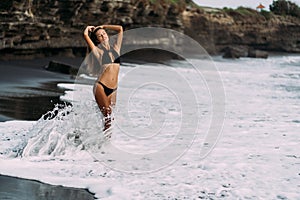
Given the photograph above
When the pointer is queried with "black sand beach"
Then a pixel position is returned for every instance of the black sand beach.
(22, 189)
(27, 92)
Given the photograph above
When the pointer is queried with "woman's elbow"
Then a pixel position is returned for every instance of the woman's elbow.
(120, 28)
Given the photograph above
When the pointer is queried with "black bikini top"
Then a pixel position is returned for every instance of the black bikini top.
(106, 59)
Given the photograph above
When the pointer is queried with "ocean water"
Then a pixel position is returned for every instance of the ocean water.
(181, 130)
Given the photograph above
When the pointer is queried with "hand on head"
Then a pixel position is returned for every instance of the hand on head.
(89, 29)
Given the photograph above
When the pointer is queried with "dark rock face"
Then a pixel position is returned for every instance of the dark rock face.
(38, 28)
(216, 30)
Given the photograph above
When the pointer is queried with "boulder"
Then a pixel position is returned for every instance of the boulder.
(257, 54)
(235, 52)
(61, 68)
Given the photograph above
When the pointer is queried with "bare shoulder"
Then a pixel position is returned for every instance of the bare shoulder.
(97, 51)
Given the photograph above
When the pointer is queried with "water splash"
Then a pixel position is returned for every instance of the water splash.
(66, 130)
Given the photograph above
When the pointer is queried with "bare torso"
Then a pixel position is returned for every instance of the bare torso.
(110, 76)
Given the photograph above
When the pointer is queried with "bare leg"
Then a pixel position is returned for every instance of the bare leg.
(104, 104)
(113, 98)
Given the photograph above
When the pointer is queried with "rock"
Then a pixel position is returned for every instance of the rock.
(235, 52)
(61, 68)
(142, 56)
(257, 54)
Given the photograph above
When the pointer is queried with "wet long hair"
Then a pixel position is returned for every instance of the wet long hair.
(91, 63)
(94, 37)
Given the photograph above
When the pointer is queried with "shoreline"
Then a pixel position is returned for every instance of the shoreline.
(31, 106)
(27, 85)
(15, 187)
(28, 90)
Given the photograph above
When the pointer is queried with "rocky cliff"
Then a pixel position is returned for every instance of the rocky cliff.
(245, 28)
(36, 28)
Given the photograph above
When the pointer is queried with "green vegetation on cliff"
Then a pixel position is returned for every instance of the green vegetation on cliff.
(278, 7)
(283, 7)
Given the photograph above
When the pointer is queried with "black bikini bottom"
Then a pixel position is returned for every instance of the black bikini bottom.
(107, 90)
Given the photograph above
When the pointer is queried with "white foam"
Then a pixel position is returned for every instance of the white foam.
(256, 158)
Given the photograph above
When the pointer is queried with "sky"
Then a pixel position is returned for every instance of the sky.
(237, 3)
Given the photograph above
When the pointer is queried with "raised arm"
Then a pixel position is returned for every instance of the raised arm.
(113, 27)
(87, 37)
(118, 28)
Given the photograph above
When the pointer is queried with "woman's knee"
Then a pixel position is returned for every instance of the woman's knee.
(106, 110)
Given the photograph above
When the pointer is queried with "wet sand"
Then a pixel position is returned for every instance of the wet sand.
(18, 189)
(27, 91)
(30, 106)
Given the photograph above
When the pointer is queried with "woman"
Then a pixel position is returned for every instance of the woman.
(108, 56)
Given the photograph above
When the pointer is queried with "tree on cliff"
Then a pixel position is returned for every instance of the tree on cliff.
(283, 7)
